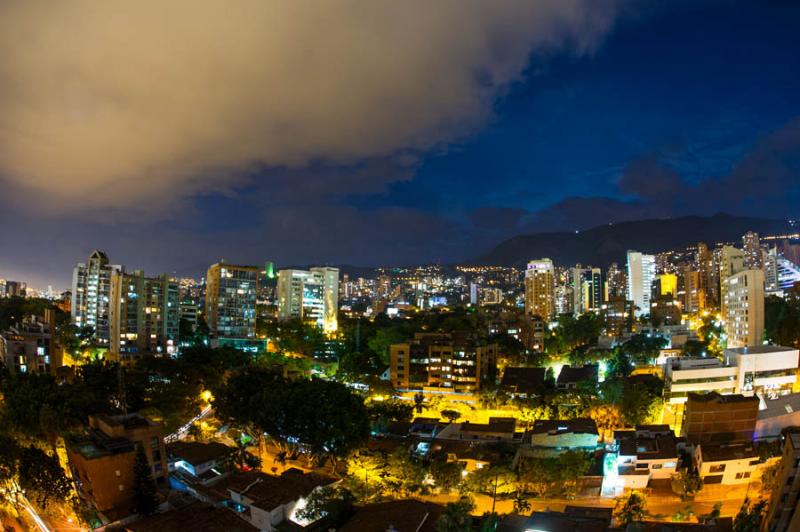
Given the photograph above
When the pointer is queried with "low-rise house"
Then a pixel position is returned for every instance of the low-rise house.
(775, 415)
(425, 427)
(585, 519)
(523, 382)
(571, 376)
(726, 463)
(266, 501)
(650, 452)
(497, 429)
(557, 434)
(195, 517)
(102, 460)
(204, 462)
(471, 455)
(398, 516)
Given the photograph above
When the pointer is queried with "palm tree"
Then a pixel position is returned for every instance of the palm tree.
(456, 516)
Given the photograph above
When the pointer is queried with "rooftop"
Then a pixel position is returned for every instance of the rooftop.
(404, 515)
(783, 405)
(572, 518)
(565, 426)
(647, 447)
(524, 380)
(197, 453)
(496, 424)
(269, 491)
(714, 397)
(197, 517)
(577, 373)
(725, 452)
(759, 349)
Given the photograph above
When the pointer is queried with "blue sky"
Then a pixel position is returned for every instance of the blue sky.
(677, 108)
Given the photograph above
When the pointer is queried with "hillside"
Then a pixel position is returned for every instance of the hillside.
(605, 244)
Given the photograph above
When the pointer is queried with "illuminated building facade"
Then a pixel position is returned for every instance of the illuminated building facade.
(743, 297)
(91, 293)
(231, 301)
(311, 295)
(539, 289)
(641, 273)
(29, 346)
(144, 315)
(751, 247)
(454, 362)
(587, 289)
(694, 296)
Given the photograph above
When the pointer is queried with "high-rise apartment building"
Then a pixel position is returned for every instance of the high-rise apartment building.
(616, 282)
(751, 247)
(694, 296)
(311, 295)
(91, 293)
(709, 274)
(743, 297)
(641, 273)
(731, 262)
(782, 514)
(539, 289)
(231, 301)
(587, 289)
(144, 315)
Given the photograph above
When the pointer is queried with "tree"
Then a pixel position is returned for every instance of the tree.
(419, 402)
(555, 477)
(382, 413)
(521, 504)
(749, 517)
(456, 516)
(144, 488)
(711, 517)
(619, 365)
(687, 484)
(335, 504)
(403, 473)
(317, 417)
(451, 415)
(631, 509)
(644, 348)
(42, 476)
(492, 480)
(446, 475)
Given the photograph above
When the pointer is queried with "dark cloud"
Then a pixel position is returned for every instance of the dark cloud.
(110, 104)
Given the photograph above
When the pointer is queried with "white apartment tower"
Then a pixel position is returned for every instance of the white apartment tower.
(641, 273)
(743, 297)
(310, 295)
(91, 293)
(539, 289)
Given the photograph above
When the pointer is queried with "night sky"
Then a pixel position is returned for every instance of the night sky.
(375, 133)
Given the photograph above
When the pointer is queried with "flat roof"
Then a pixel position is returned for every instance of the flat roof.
(759, 349)
(565, 426)
(197, 453)
(781, 406)
(197, 517)
(725, 452)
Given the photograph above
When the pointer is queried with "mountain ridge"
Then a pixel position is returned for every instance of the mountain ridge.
(604, 244)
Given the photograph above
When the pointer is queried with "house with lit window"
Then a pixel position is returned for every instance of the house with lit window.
(650, 452)
(726, 463)
(268, 501)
